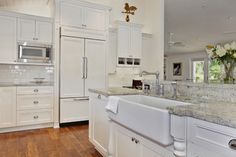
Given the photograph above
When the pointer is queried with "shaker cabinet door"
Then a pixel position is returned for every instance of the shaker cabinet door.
(44, 31)
(8, 107)
(8, 43)
(26, 30)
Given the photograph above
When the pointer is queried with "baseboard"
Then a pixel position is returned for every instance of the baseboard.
(28, 127)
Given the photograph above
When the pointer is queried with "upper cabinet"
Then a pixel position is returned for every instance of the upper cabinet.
(32, 30)
(8, 45)
(84, 19)
(129, 44)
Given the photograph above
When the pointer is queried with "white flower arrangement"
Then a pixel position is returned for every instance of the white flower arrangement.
(226, 52)
(227, 56)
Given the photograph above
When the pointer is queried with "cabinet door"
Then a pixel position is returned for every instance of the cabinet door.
(124, 145)
(8, 107)
(145, 151)
(112, 53)
(95, 19)
(136, 42)
(99, 128)
(44, 32)
(26, 30)
(8, 44)
(71, 74)
(95, 52)
(124, 41)
(71, 15)
(73, 110)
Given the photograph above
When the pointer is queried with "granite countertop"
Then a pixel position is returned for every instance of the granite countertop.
(222, 113)
(24, 84)
(116, 91)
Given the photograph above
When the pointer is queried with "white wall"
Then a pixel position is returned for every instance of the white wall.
(185, 59)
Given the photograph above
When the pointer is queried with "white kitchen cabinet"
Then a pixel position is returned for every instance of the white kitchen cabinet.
(8, 43)
(95, 19)
(206, 139)
(8, 107)
(74, 110)
(126, 143)
(95, 53)
(129, 44)
(34, 117)
(80, 15)
(71, 15)
(34, 105)
(33, 30)
(44, 31)
(112, 52)
(72, 54)
(98, 122)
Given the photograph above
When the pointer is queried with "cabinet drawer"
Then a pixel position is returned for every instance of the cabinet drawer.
(214, 137)
(34, 102)
(31, 117)
(74, 110)
(35, 90)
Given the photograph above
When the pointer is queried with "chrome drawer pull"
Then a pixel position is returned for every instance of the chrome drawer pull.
(36, 102)
(36, 117)
(99, 96)
(232, 144)
(36, 90)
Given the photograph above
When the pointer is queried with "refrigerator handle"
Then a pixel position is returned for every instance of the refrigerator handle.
(86, 67)
(83, 77)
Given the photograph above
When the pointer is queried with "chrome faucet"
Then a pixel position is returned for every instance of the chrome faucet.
(174, 87)
(159, 88)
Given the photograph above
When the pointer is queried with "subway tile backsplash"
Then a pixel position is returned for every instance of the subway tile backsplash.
(25, 73)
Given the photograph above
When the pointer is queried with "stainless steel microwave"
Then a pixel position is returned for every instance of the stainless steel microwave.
(34, 53)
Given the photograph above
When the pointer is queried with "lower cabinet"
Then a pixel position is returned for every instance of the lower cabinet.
(98, 123)
(21, 106)
(73, 110)
(126, 143)
(7, 107)
(31, 117)
(210, 140)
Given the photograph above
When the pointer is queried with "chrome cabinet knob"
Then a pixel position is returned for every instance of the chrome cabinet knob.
(36, 102)
(36, 90)
(232, 144)
(99, 96)
(36, 117)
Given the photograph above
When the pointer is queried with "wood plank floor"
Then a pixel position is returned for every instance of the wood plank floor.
(64, 142)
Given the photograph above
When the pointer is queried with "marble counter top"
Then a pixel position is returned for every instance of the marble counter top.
(116, 91)
(222, 113)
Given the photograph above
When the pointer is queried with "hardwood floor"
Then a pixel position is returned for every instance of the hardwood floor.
(64, 142)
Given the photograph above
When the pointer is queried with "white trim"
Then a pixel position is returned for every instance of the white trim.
(24, 128)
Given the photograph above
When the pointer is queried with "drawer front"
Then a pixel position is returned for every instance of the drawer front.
(31, 117)
(74, 110)
(35, 90)
(212, 136)
(25, 102)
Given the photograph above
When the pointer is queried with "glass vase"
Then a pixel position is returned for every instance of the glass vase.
(229, 73)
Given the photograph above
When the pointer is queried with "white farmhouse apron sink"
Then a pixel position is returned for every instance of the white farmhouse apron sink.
(147, 116)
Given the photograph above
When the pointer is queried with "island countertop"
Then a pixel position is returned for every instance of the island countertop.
(222, 113)
(116, 91)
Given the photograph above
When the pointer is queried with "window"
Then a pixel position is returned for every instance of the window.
(198, 73)
(214, 71)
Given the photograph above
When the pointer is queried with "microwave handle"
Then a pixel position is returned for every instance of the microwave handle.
(20, 52)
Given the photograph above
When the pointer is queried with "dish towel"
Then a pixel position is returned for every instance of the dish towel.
(112, 104)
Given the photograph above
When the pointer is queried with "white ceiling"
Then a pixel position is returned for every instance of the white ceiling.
(198, 23)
